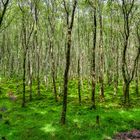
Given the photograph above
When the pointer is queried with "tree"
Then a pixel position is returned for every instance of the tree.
(26, 36)
(137, 63)
(101, 52)
(79, 61)
(51, 36)
(69, 35)
(93, 72)
(127, 8)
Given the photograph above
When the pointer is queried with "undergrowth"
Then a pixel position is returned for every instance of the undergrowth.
(40, 119)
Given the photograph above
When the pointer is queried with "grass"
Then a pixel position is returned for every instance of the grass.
(40, 119)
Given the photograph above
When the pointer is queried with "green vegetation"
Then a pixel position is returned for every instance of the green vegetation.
(40, 119)
(69, 69)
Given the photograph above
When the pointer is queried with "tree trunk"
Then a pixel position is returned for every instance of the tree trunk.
(79, 81)
(78, 67)
(63, 116)
(137, 86)
(69, 35)
(126, 93)
(116, 71)
(93, 59)
(53, 70)
(30, 75)
(24, 82)
(38, 73)
(101, 76)
(137, 81)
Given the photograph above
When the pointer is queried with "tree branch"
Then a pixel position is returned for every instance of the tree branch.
(73, 11)
(67, 12)
(3, 11)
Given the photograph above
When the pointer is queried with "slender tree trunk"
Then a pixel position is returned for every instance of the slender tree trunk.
(54, 86)
(63, 116)
(137, 86)
(24, 74)
(53, 71)
(78, 67)
(30, 74)
(137, 81)
(101, 76)
(31, 91)
(112, 52)
(116, 71)
(37, 46)
(93, 59)
(79, 81)
(51, 37)
(69, 35)
(26, 35)
(137, 62)
(38, 73)
(12, 66)
(125, 86)
(126, 93)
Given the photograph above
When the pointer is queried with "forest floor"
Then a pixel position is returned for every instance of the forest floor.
(40, 119)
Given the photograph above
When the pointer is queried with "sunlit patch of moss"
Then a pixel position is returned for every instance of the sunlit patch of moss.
(48, 128)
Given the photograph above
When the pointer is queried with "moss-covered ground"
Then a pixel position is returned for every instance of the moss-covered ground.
(40, 119)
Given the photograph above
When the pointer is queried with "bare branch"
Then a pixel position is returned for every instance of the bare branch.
(132, 4)
(73, 11)
(3, 11)
(67, 12)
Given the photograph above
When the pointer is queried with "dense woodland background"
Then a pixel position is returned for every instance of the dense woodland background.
(80, 52)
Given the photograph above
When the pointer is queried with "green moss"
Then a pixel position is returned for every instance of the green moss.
(40, 118)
